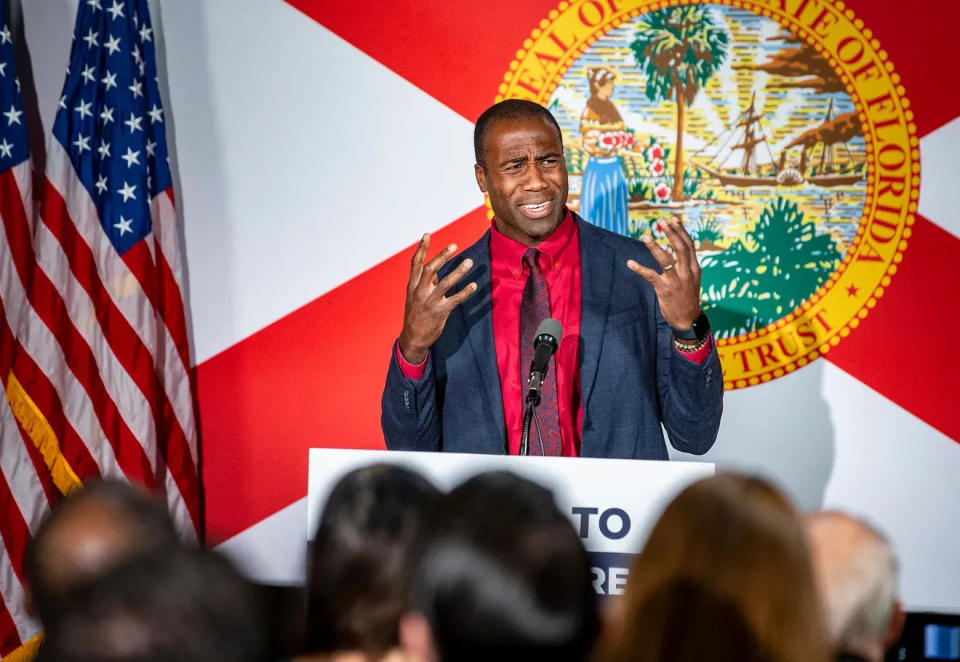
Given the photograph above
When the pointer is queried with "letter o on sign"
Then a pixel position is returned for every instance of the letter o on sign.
(622, 530)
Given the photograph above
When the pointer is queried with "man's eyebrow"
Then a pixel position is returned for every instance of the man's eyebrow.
(516, 159)
(550, 155)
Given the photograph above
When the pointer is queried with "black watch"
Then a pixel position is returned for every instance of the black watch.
(698, 331)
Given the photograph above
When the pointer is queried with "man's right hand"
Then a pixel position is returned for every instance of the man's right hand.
(427, 307)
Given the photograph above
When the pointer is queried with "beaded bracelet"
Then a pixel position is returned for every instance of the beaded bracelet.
(690, 349)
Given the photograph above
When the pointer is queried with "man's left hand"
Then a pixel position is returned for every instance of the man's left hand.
(678, 285)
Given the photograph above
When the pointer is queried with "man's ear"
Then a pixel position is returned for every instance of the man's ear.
(416, 637)
(481, 177)
(897, 621)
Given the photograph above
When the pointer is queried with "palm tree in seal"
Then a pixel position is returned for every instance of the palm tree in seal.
(679, 49)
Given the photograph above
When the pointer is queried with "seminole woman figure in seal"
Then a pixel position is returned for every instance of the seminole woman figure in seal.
(603, 196)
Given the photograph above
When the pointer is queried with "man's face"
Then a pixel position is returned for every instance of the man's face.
(526, 178)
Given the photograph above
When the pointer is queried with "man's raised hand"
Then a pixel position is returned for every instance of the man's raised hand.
(678, 285)
(428, 306)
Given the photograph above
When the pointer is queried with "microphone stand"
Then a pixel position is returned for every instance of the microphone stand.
(533, 399)
(535, 382)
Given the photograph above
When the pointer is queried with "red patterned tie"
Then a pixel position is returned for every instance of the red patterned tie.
(534, 308)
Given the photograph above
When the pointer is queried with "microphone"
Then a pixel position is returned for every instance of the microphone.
(545, 344)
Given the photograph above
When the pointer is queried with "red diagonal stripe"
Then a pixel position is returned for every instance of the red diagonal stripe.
(904, 349)
(922, 44)
(271, 397)
(457, 52)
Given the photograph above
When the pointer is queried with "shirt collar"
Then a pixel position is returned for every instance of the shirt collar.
(506, 254)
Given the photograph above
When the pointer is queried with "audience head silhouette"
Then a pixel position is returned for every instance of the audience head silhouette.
(856, 572)
(173, 605)
(725, 574)
(362, 558)
(491, 571)
(88, 533)
(504, 577)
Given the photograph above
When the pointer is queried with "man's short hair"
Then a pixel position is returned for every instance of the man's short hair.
(510, 109)
(183, 604)
(144, 520)
(857, 572)
(505, 577)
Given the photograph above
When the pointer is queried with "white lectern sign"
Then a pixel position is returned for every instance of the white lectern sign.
(612, 503)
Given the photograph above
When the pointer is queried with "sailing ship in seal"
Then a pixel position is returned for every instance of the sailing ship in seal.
(748, 139)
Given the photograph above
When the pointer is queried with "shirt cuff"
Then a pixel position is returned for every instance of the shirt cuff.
(409, 370)
(697, 357)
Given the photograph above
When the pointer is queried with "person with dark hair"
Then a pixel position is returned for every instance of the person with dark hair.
(85, 535)
(635, 356)
(725, 575)
(174, 605)
(362, 559)
(503, 577)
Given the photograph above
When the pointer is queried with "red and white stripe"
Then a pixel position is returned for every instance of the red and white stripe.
(23, 500)
(101, 350)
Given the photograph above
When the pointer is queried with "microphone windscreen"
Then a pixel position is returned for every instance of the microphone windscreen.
(551, 327)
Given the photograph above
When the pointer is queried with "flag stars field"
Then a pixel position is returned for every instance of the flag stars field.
(128, 192)
(82, 143)
(115, 10)
(84, 109)
(124, 225)
(117, 52)
(131, 157)
(13, 115)
(113, 44)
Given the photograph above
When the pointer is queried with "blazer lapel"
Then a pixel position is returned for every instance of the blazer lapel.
(596, 269)
(477, 314)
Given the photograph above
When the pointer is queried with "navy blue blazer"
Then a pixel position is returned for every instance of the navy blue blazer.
(631, 378)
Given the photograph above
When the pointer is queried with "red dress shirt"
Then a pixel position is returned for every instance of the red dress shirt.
(560, 263)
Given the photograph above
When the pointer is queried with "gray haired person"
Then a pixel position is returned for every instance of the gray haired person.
(856, 571)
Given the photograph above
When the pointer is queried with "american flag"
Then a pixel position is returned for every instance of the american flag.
(99, 380)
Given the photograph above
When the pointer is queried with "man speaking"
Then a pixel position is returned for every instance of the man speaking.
(635, 349)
